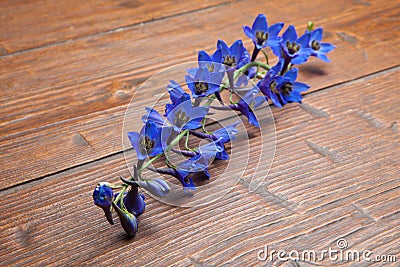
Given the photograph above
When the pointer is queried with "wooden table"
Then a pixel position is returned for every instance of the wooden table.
(68, 69)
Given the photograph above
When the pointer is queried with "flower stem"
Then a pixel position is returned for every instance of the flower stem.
(236, 74)
(173, 143)
(266, 56)
(255, 53)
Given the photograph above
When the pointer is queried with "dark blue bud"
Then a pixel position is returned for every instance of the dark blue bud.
(134, 202)
(103, 196)
(128, 220)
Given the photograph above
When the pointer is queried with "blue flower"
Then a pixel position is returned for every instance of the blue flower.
(193, 165)
(282, 89)
(235, 56)
(180, 174)
(155, 117)
(103, 197)
(128, 221)
(203, 82)
(213, 149)
(289, 88)
(292, 49)
(185, 116)
(177, 96)
(226, 134)
(247, 103)
(148, 141)
(319, 49)
(197, 164)
(268, 85)
(261, 34)
(212, 63)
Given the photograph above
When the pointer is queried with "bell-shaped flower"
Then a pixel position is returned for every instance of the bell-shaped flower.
(262, 35)
(282, 89)
(319, 49)
(103, 197)
(290, 89)
(185, 116)
(203, 82)
(210, 62)
(177, 96)
(226, 134)
(148, 141)
(248, 103)
(268, 85)
(235, 56)
(213, 150)
(292, 49)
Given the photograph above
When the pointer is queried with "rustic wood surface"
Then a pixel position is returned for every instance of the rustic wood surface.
(68, 71)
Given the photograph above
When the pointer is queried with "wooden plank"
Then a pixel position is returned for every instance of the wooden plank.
(32, 24)
(333, 176)
(67, 110)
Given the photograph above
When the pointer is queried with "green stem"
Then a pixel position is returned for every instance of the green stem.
(119, 197)
(266, 56)
(187, 141)
(173, 143)
(236, 74)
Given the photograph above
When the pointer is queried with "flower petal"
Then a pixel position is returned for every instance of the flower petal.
(326, 47)
(323, 57)
(154, 116)
(237, 49)
(304, 40)
(294, 97)
(290, 34)
(317, 35)
(260, 23)
(249, 33)
(275, 29)
(291, 75)
(134, 137)
(224, 48)
(300, 87)
(227, 133)
(203, 56)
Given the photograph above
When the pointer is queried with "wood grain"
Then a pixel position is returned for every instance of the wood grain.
(64, 87)
(333, 176)
(32, 24)
(63, 105)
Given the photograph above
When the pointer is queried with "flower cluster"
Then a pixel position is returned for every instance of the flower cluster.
(225, 70)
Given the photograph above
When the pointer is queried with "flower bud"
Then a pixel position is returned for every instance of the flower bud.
(157, 187)
(103, 196)
(134, 201)
(128, 221)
